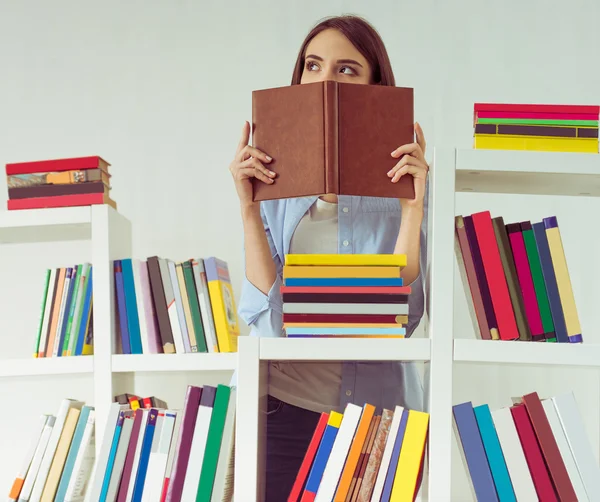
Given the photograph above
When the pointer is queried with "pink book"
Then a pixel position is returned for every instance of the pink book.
(532, 311)
(154, 341)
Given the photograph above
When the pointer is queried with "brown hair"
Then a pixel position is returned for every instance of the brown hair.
(363, 36)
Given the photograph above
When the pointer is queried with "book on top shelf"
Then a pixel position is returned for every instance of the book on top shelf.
(329, 137)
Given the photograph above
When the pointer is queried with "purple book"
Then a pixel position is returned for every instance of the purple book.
(391, 473)
(184, 443)
(121, 307)
(126, 476)
(154, 341)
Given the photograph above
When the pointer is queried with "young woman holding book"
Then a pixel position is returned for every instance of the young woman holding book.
(344, 49)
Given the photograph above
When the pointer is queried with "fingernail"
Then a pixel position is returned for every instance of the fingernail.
(271, 173)
(269, 158)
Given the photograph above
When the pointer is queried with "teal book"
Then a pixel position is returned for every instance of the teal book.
(133, 320)
(111, 456)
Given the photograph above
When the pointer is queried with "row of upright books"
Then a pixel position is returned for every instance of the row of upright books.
(79, 181)
(65, 325)
(363, 456)
(535, 449)
(516, 279)
(542, 127)
(163, 306)
(344, 296)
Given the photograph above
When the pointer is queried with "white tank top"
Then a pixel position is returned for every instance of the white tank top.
(311, 385)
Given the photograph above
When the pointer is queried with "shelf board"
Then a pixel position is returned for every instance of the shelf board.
(528, 172)
(45, 225)
(125, 363)
(344, 349)
(531, 353)
(46, 366)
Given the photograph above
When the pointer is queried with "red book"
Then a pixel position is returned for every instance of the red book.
(537, 108)
(87, 199)
(533, 454)
(308, 459)
(381, 290)
(490, 255)
(344, 318)
(47, 166)
(536, 115)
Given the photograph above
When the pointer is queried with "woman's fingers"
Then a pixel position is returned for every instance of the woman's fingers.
(245, 137)
(252, 172)
(249, 151)
(258, 165)
(407, 160)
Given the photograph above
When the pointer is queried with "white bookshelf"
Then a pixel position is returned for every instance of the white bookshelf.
(136, 363)
(46, 366)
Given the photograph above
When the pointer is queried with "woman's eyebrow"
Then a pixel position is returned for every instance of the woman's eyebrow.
(349, 61)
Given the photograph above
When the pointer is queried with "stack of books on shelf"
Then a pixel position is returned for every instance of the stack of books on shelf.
(58, 462)
(344, 296)
(536, 449)
(542, 127)
(65, 325)
(363, 456)
(81, 181)
(516, 279)
(169, 307)
(158, 453)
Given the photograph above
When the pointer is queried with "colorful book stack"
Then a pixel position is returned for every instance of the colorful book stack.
(544, 127)
(363, 456)
(65, 326)
(536, 449)
(158, 453)
(349, 296)
(81, 181)
(58, 462)
(169, 307)
(517, 278)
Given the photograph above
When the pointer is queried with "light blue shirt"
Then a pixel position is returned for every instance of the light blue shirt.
(366, 225)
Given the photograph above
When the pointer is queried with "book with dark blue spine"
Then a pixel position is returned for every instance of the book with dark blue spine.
(343, 281)
(85, 312)
(121, 307)
(391, 472)
(140, 478)
(133, 320)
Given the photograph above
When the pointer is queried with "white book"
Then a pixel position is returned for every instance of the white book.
(514, 456)
(28, 458)
(47, 311)
(84, 462)
(151, 320)
(224, 475)
(580, 445)
(171, 306)
(138, 449)
(59, 423)
(172, 448)
(194, 468)
(178, 301)
(141, 305)
(339, 451)
(61, 315)
(158, 459)
(79, 300)
(565, 450)
(387, 454)
(119, 463)
(208, 320)
(36, 462)
(346, 308)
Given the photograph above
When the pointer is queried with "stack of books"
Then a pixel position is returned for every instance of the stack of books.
(536, 449)
(361, 456)
(164, 306)
(66, 322)
(81, 181)
(516, 279)
(349, 296)
(543, 127)
(157, 453)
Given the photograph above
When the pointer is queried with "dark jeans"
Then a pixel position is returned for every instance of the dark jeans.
(289, 431)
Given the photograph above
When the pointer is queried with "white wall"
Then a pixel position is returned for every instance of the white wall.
(161, 89)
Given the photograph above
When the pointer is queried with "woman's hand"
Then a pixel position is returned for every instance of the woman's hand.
(247, 164)
(413, 163)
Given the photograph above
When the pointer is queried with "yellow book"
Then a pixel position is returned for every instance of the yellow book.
(60, 456)
(328, 272)
(411, 457)
(538, 143)
(348, 260)
(335, 419)
(222, 304)
(565, 289)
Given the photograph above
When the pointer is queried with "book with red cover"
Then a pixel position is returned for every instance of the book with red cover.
(45, 166)
(332, 137)
(536, 108)
(380, 290)
(346, 318)
(87, 199)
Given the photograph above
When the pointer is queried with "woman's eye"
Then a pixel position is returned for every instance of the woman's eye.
(347, 70)
(310, 66)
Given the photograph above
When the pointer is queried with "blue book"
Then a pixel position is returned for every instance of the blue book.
(111, 456)
(469, 440)
(495, 457)
(320, 462)
(140, 478)
(133, 320)
(391, 472)
(343, 281)
(85, 313)
(122, 308)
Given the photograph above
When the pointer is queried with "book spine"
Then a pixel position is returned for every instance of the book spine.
(57, 190)
(330, 111)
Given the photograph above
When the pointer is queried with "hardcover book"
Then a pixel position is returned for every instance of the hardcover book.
(331, 137)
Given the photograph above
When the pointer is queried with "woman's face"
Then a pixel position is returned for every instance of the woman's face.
(331, 56)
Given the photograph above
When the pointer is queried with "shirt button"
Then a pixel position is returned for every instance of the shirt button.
(345, 243)
(348, 392)
(345, 210)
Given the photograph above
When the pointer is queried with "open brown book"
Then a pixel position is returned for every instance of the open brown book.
(331, 137)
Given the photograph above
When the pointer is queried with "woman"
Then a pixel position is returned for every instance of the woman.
(345, 49)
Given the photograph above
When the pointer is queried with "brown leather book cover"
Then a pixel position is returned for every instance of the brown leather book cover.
(331, 137)
(160, 305)
(57, 190)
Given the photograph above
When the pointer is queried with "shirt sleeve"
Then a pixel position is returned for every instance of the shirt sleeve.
(263, 313)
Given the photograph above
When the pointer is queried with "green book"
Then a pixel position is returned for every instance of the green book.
(190, 287)
(75, 328)
(42, 313)
(65, 346)
(213, 444)
(565, 123)
(538, 281)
